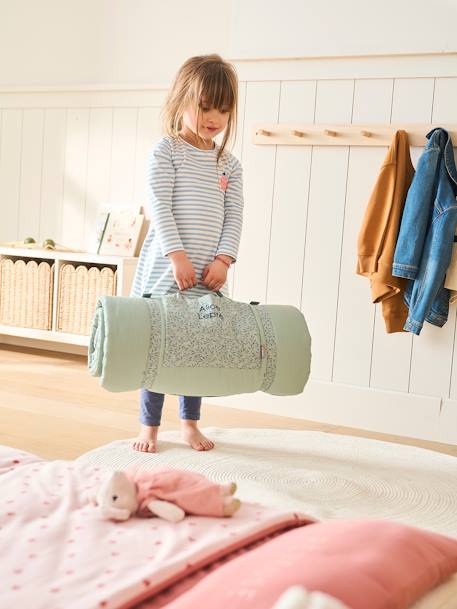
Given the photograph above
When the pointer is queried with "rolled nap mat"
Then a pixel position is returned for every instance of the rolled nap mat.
(206, 346)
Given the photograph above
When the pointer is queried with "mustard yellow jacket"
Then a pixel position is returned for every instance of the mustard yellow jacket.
(379, 232)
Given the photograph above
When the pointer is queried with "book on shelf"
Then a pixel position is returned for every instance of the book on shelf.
(99, 231)
(121, 233)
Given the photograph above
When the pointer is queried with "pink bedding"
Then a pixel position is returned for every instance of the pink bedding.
(57, 553)
(365, 564)
(185, 584)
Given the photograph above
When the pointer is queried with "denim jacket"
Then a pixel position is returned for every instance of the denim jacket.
(425, 240)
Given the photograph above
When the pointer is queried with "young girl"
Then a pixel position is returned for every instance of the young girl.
(196, 204)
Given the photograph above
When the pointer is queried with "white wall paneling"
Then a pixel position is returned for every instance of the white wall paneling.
(323, 253)
(290, 200)
(123, 153)
(53, 172)
(75, 177)
(148, 130)
(262, 100)
(10, 171)
(238, 152)
(390, 353)
(99, 147)
(65, 155)
(31, 171)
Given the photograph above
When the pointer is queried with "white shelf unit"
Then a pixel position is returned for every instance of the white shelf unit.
(52, 339)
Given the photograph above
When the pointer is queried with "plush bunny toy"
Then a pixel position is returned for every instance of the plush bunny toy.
(164, 492)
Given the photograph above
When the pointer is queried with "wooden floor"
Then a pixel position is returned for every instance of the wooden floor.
(51, 406)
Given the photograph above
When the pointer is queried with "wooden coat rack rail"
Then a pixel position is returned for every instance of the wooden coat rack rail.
(312, 134)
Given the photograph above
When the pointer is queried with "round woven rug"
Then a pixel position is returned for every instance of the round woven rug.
(325, 475)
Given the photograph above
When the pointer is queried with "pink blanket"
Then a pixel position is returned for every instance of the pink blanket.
(57, 553)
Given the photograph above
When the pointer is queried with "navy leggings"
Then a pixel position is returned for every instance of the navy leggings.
(151, 405)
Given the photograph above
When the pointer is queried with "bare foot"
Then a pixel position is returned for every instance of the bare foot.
(194, 437)
(229, 489)
(231, 507)
(146, 441)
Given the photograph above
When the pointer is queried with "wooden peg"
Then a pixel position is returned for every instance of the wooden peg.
(366, 133)
(298, 133)
(330, 133)
(263, 132)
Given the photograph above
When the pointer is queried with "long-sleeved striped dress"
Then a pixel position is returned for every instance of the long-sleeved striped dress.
(196, 205)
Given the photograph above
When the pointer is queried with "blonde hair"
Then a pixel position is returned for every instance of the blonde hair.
(207, 76)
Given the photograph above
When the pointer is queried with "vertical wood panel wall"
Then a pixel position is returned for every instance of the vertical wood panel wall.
(64, 156)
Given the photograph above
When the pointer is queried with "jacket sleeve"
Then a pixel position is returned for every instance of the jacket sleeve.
(160, 182)
(418, 206)
(233, 214)
(374, 225)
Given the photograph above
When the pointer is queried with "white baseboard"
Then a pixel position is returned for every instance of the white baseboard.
(46, 345)
(390, 412)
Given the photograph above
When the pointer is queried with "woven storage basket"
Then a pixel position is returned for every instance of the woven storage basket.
(26, 291)
(79, 290)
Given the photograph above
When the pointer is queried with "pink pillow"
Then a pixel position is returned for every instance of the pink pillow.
(375, 564)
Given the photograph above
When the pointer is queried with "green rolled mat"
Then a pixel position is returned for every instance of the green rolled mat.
(206, 346)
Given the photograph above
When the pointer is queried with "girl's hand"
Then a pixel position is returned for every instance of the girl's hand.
(183, 270)
(214, 275)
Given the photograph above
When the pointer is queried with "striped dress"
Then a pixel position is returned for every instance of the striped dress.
(195, 205)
